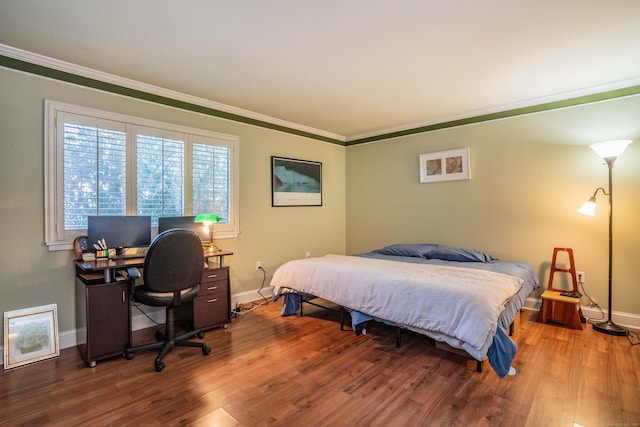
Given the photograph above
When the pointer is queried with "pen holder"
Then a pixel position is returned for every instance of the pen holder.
(102, 254)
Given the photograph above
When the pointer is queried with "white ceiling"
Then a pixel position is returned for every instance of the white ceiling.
(352, 68)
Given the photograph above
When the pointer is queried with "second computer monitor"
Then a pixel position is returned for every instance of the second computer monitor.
(184, 222)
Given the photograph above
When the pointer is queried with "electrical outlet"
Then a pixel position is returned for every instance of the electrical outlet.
(580, 275)
(258, 265)
(307, 255)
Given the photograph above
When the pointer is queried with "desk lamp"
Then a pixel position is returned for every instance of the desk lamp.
(209, 220)
(609, 151)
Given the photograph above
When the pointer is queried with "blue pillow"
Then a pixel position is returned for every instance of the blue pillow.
(409, 249)
(459, 254)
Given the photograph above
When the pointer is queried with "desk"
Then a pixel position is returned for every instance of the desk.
(108, 266)
(103, 309)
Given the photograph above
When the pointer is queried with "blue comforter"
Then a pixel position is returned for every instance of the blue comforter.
(502, 348)
(512, 268)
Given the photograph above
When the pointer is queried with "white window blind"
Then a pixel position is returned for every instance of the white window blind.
(100, 163)
(160, 177)
(211, 179)
(94, 165)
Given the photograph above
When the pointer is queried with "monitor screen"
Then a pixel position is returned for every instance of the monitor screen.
(184, 222)
(119, 231)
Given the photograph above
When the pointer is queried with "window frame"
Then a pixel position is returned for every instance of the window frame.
(56, 238)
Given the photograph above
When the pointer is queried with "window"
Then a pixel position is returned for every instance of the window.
(100, 163)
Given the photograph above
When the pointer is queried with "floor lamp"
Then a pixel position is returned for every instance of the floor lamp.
(609, 151)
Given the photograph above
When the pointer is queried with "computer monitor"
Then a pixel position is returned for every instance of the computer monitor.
(184, 222)
(119, 231)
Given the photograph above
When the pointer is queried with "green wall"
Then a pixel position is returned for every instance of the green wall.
(31, 275)
(529, 175)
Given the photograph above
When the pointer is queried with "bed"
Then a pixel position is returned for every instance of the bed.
(464, 298)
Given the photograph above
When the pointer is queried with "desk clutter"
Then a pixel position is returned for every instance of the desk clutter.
(107, 264)
(88, 256)
(128, 236)
(103, 307)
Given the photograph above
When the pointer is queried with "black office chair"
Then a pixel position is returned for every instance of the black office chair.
(172, 274)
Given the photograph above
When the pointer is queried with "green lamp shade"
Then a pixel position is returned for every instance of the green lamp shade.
(212, 218)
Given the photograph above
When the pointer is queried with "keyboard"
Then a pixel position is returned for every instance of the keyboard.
(131, 253)
(126, 256)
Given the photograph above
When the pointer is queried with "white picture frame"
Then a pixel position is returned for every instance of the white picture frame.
(448, 165)
(30, 335)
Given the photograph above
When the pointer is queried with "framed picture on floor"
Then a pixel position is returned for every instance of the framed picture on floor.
(30, 335)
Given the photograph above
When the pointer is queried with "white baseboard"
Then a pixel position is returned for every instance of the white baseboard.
(139, 321)
(250, 296)
(623, 319)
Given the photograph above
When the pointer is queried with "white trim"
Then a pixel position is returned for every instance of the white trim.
(79, 70)
(68, 338)
(63, 66)
(56, 238)
(503, 108)
(628, 320)
(141, 321)
(135, 120)
(251, 296)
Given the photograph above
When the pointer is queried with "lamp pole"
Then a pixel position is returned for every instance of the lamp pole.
(608, 327)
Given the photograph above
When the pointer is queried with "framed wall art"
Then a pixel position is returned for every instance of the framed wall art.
(30, 335)
(445, 166)
(295, 182)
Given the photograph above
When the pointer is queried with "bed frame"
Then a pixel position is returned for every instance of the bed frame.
(439, 344)
(335, 272)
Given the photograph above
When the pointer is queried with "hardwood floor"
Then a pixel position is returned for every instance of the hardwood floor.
(303, 371)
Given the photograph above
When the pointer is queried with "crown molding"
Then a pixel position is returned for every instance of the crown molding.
(567, 99)
(232, 113)
(168, 97)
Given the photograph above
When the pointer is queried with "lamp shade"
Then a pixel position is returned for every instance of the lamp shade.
(589, 207)
(210, 218)
(610, 149)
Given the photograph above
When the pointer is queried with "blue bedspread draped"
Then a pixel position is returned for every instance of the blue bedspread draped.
(502, 350)
(500, 354)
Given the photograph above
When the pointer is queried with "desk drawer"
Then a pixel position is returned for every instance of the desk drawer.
(215, 275)
(210, 310)
(209, 288)
(211, 307)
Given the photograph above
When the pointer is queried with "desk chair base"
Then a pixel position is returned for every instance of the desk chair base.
(167, 341)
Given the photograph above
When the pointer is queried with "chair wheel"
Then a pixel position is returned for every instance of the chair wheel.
(200, 335)
(129, 355)
(159, 366)
(206, 350)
